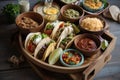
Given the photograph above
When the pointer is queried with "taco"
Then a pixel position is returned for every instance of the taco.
(67, 36)
(52, 28)
(49, 28)
(44, 48)
(32, 40)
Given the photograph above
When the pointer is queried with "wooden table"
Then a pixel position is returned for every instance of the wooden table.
(8, 48)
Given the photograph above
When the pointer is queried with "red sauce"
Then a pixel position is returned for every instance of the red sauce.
(87, 44)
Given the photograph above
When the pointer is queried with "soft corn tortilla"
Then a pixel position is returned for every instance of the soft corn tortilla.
(68, 30)
(56, 28)
(41, 44)
(28, 38)
(49, 50)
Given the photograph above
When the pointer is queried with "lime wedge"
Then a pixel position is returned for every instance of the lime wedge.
(104, 44)
(54, 56)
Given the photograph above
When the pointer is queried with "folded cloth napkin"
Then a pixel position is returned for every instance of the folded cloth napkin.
(119, 17)
(114, 11)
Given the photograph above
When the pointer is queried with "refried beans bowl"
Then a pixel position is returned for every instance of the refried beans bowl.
(30, 22)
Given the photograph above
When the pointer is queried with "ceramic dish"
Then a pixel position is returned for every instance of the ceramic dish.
(98, 32)
(73, 7)
(71, 58)
(106, 6)
(90, 9)
(88, 44)
(33, 19)
(39, 9)
(68, 1)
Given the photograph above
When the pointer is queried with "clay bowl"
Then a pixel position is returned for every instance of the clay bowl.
(86, 52)
(71, 6)
(99, 32)
(34, 16)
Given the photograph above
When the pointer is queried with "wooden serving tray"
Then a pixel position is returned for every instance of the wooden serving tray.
(58, 67)
(61, 69)
(88, 73)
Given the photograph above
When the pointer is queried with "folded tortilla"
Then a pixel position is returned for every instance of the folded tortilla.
(67, 31)
(48, 50)
(41, 44)
(56, 28)
(29, 38)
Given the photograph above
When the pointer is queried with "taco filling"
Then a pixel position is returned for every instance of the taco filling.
(67, 35)
(52, 27)
(33, 42)
(49, 28)
(45, 50)
(59, 26)
(66, 40)
(58, 33)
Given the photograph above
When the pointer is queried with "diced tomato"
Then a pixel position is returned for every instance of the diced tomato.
(61, 26)
(64, 56)
(71, 58)
(48, 32)
(31, 47)
(77, 58)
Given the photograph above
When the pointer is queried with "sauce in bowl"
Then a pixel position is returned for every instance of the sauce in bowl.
(87, 44)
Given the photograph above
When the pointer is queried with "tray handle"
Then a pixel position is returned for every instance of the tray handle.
(93, 69)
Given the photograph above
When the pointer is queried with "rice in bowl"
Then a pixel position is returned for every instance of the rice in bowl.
(92, 24)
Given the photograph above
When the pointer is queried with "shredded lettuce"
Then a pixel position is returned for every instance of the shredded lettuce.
(44, 35)
(49, 26)
(35, 37)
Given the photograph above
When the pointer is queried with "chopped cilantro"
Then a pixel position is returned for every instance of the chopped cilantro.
(35, 37)
(44, 35)
(49, 26)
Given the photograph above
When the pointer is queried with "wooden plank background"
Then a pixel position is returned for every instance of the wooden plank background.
(110, 72)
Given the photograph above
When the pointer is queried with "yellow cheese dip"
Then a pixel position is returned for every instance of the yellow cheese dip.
(51, 13)
(51, 10)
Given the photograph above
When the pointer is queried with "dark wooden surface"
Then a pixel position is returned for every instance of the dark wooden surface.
(110, 72)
